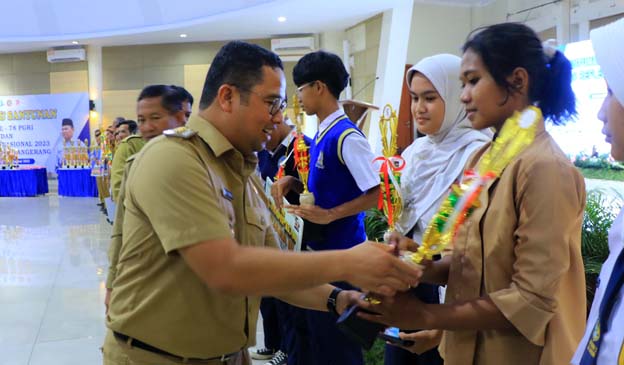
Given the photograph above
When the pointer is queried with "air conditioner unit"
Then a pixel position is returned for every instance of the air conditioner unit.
(62, 54)
(291, 49)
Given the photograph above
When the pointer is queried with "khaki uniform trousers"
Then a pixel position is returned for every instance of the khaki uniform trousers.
(116, 352)
(102, 187)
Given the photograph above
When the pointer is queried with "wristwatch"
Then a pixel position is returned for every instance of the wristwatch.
(331, 301)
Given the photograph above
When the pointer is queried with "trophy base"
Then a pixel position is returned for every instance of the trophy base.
(306, 199)
(357, 329)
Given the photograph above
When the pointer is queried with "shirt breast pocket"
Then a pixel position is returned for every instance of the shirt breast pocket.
(257, 224)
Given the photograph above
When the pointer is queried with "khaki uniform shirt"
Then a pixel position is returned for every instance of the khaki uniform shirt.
(182, 191)
(116, 236)
(128, 147)
(522, 248)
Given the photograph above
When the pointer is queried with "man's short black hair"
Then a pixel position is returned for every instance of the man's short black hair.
(132, 125)
(239, 64)
(322, 66)
(171, 99)
(185, 94)
(67, 121)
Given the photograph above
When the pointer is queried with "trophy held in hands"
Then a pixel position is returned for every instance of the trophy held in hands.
(302, 155)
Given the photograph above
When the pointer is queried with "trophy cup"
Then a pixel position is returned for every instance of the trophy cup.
(65, 159)
(390, 200)
(2, 157)
(13, 156)
(302, 155)
(84, 151)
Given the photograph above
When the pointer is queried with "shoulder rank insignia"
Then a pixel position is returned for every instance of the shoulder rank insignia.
(182, 132)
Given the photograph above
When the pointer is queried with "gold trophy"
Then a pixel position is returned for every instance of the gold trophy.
(72, 155)
(12, 158)
(65, 162)
(84, 154)
(302, 155)
(2, 158)
(390, 200)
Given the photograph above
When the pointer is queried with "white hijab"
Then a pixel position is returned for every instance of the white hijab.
(607, 41)
(434, 162)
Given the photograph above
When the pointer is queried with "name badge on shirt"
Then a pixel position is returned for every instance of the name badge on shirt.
(319, 161)
(227, 194)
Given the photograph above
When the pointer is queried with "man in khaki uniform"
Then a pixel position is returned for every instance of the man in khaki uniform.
(126, 148)
(187, 101)
(99, 179)
(173, 99)
(159, 107)
(198, 247)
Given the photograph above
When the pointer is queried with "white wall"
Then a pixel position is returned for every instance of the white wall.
(437, 29)
(582, 15)
(494, 12)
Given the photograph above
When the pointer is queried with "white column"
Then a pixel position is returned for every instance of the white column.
(583, 30)
(563, 22)
(346, 59)
(395, 29)
(94, 61)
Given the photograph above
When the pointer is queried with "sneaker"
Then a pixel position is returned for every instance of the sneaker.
(280, 358)
(262, 354)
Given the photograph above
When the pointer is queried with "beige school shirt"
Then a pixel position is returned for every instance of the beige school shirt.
(182, 191)
(522, 248)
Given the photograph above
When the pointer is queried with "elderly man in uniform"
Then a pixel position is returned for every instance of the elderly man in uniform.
(159, 107)
(198, 248)
(155, 104)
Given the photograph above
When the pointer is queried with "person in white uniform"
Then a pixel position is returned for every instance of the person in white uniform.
(603, 342)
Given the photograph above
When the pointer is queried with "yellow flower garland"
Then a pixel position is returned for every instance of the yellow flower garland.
(517, 133)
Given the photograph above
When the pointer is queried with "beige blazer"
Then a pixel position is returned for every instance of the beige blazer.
(522, 248)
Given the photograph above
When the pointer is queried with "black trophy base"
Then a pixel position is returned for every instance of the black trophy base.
(358, 329)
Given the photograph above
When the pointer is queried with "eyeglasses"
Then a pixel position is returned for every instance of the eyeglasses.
(300, 88)
(275, 106)
(278, 105)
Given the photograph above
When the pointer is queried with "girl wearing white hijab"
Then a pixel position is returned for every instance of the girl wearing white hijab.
(603, 342)
(433, 163)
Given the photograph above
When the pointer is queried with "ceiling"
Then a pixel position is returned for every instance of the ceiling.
(30, 25)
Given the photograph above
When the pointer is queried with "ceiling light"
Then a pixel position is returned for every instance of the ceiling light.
(74, 42)
(281, 19)
(183, 35)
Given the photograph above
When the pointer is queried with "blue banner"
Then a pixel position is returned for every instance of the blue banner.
(32, 125)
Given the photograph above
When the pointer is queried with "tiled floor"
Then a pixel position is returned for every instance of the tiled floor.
(53, 265)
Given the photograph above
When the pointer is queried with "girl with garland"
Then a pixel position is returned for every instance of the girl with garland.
(516, 284)
(432, 164)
